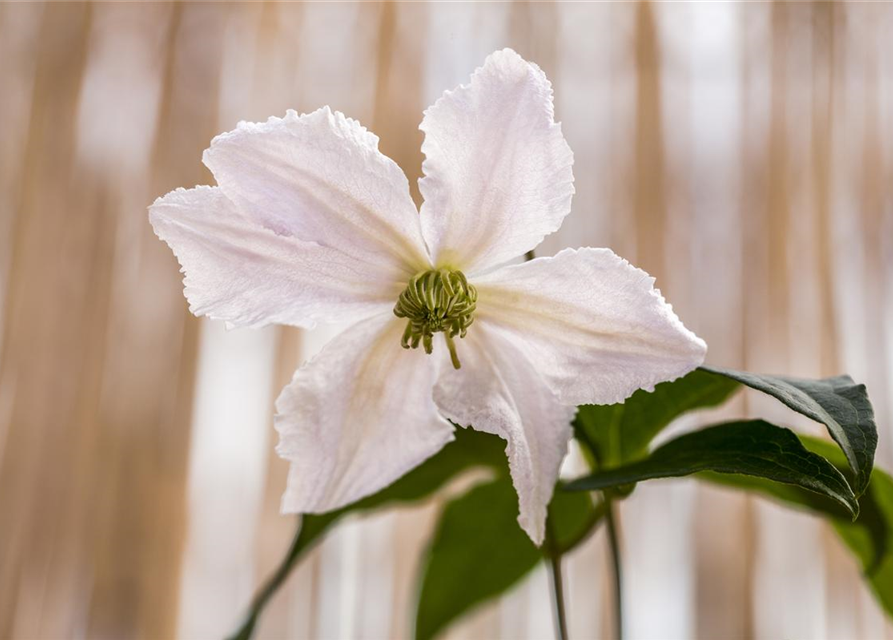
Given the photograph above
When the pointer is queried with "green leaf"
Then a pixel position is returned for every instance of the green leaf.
(875, 517)
(572, 517)
(872, 541)
(753, 448)
(838, 403)
(619, 433)
(479, 551)
(869, 537)
(469, 449)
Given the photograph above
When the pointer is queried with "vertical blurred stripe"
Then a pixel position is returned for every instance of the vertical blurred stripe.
(227, 469)
(646, 188)
(48, 365)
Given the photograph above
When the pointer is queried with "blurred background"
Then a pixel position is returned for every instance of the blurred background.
(741, 152)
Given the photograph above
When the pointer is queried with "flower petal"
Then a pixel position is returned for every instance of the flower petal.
(357, 417)
(498, 172)
(320, 177)
(239, 271)
(593, 323)
(498, 390)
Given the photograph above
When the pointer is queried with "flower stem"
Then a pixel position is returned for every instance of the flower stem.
(558, 598)
(554, 559)
(615, 557)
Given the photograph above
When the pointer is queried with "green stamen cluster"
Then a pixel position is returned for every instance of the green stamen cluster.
(434, 301)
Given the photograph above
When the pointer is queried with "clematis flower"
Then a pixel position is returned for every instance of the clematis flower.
(310, 223)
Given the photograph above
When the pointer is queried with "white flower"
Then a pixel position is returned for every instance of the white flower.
(311, 223)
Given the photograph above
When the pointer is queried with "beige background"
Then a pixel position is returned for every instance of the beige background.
(742, 153)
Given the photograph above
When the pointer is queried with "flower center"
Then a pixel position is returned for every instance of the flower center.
(434, 301)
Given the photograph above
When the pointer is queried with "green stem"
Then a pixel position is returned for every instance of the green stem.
(615, 557)
(554, 559)
(558, 598)
(246, 629)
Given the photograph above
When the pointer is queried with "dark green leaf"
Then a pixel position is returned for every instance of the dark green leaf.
(789, 494)
(838, 403)
(469, 449)
(869, 537)
(619, 433)
(875, 516)
(479, 551)
(871, 526)
(754, 448)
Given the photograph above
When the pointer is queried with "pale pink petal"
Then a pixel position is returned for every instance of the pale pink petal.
(239, 271)
(498, 172)
(321, 178)
(498, 390)
(357, 417)
(593, 323)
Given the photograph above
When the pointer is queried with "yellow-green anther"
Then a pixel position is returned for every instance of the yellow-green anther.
(439, 300)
